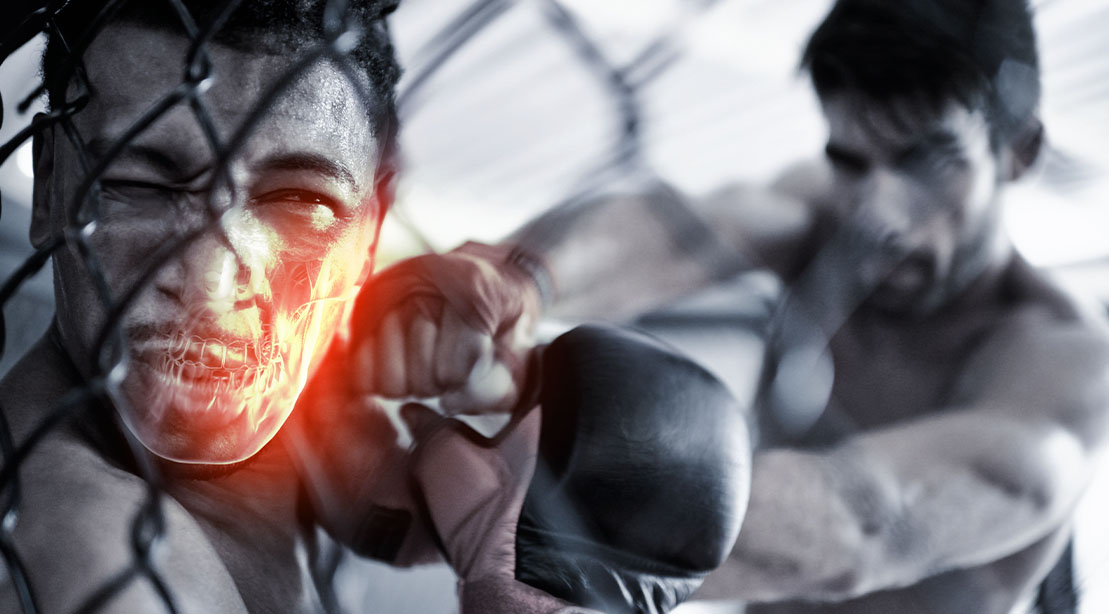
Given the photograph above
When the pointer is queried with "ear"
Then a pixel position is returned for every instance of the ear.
(385, 189)
(42, 152)
(1025, 148)
(385, 186)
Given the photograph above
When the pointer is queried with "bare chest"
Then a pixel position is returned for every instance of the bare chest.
(878, 384)
(882, 378)
(269, 565)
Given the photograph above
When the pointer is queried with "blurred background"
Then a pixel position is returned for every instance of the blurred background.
(501, 119)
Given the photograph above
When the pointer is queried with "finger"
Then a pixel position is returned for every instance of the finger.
(457, 349)
(419, 358)
(389, 380)
(490, 388)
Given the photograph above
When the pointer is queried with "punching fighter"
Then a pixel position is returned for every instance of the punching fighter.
(204, 400)
(933, 406)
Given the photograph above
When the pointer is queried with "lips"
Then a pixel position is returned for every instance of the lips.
(205, 382)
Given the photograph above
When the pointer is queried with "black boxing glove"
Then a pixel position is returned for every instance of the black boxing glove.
(642, 475)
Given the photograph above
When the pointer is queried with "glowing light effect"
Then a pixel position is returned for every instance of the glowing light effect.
(216, 385)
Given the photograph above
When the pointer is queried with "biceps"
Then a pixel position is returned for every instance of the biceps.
(973, 489)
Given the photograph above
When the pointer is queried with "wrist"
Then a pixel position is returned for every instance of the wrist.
(536, 271)
(525, 269)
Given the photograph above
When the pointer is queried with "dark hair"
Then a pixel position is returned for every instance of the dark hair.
(981, 53)
(265, 26)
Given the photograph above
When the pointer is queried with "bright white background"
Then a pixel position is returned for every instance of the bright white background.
(513, 122)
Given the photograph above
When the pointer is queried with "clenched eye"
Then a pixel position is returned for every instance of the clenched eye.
(136, 192)
(846, 161)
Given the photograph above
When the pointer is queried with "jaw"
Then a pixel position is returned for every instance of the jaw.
(191, 413)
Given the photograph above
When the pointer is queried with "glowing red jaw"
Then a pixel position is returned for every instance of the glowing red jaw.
(205, 373)
(214, 353)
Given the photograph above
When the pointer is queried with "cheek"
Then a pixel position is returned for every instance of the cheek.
(321, 270)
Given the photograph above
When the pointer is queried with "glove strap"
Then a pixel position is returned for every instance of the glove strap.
(520, 260)
(534, 267)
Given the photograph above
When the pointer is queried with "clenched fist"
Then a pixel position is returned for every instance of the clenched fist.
(455, 326)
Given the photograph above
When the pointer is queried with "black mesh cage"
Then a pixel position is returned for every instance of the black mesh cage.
(353, 37)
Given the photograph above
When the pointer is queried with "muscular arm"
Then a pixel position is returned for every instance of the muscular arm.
(988, 476)
(617, 256)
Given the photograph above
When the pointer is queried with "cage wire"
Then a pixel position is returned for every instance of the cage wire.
(796, 324)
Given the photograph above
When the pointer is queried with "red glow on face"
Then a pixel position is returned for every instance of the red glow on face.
(216, 384)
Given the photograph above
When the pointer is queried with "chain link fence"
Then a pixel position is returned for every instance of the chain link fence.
(622, 82)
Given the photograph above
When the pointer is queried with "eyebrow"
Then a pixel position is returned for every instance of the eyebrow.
(313, 163)
(162, 161)
(941, 140)
(941, 137)
(165, 163)
(840, 152)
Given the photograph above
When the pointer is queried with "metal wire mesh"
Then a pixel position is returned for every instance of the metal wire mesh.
(622, 82)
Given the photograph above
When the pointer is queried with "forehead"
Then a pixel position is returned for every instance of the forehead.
(132, 67)
(861, 123)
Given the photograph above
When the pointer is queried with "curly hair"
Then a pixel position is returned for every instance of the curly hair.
(264, 26)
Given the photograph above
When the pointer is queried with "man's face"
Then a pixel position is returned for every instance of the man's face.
(225, 334)
(917, 190)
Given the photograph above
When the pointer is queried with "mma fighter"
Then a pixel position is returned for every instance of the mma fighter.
(234, 235)
(965, 394)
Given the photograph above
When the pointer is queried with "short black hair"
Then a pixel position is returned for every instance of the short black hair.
(981, 53)
(265, 26)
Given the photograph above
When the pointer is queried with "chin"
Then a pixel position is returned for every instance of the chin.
(204, 418)
(918, 304)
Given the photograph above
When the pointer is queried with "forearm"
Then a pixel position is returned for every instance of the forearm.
(893, 507)
(619, 256)
(801, 537)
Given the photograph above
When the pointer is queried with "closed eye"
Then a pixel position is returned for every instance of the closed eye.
(932, 160)
(141, 193)
(846, 161)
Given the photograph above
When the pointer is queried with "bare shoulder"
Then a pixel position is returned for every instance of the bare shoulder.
(1048, 356)
(80, 520)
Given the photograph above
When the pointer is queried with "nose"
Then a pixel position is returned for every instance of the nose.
(221, 270)
(885, 207)
(221, 279)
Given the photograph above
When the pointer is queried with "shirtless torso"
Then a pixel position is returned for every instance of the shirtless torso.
(890, 373)
(83, 500)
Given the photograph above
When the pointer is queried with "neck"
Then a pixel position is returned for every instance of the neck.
(263, 488)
